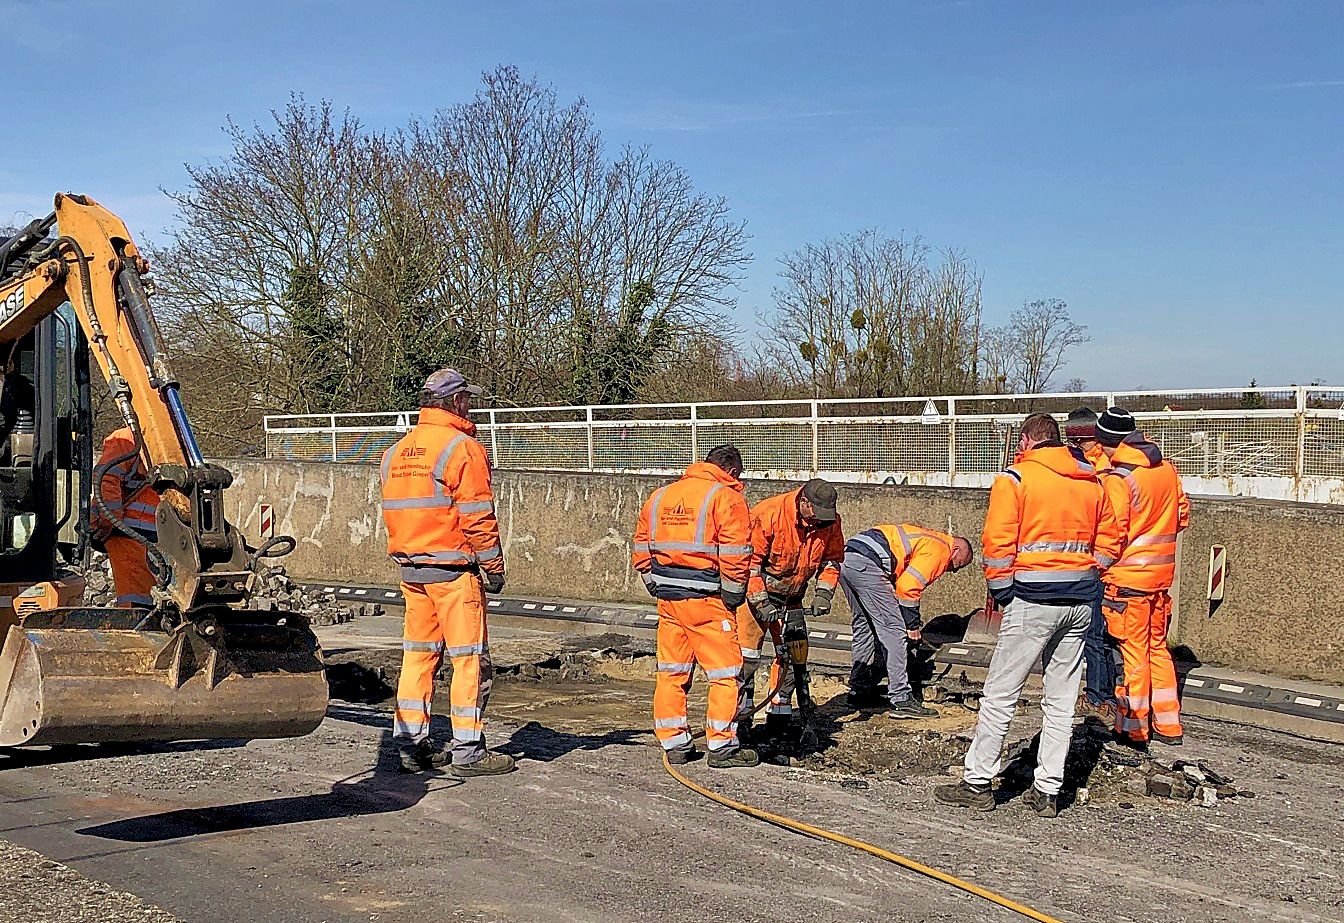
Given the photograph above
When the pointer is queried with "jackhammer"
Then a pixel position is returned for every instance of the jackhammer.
(792, 652)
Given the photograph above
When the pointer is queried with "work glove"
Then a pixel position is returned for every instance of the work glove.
(733, 600)
(766, 612)
(821, 601)
(650, 585)
(493, 582)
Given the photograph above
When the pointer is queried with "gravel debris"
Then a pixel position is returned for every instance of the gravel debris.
(34, 889)
(277, 592)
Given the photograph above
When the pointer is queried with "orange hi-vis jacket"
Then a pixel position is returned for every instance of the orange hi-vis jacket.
(787, 554)
(438, 504)
(1151, 509)
(693, 539)
(1049, 530)
(913, 555)
(125, 490)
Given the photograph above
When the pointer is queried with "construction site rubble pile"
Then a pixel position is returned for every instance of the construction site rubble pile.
(277, 592)
(1099, 770)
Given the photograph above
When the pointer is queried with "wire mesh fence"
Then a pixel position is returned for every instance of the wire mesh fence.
(1278, 442)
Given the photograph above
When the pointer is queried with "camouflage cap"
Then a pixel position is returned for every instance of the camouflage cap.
(447, 382)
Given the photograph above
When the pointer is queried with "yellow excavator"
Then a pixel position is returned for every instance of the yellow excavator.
(196, 664)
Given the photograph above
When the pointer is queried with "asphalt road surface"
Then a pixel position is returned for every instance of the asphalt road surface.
(324, 828)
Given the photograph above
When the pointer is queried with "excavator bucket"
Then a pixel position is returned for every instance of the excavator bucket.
(96, 675)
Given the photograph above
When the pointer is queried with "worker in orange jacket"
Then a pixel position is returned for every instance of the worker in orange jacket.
(884, 575)
(1151, 509)
(796, 536)
(439, 509)
(692, 547)
(1049, 532)
(1098, 697)
(127, 499)
(1080, 429)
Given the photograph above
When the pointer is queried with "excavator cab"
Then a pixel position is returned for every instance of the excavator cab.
(45, 466)
(199, 663)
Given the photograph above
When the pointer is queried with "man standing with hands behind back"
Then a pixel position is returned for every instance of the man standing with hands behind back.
(439, 508)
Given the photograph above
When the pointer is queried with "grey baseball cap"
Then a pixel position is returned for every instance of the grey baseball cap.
(447, 382)
(823, 497)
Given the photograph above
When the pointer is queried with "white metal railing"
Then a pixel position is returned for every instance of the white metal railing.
(1283, 443)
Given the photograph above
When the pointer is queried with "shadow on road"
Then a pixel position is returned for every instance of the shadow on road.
(534, 741)
(28, 758)
(385, 790)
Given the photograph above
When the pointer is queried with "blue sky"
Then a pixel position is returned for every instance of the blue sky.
(1174, 171)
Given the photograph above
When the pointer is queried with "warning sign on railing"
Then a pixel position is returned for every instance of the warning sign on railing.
(930, 416)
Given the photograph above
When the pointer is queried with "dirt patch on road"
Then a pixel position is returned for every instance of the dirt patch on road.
(601, 687)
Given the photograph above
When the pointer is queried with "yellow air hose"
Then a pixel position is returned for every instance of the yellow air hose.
(807, 829)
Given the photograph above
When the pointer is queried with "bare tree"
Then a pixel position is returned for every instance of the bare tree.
(1075, 385)
(254, 272)
(876, 316)
(321, 267)
(1027, 352)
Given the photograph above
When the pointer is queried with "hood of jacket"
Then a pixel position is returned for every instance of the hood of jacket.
(1062, 460)
(706, 471)
(1135, 451)
(437, 416)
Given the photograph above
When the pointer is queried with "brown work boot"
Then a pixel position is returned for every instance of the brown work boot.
(1086, 708)
(1043, 804)
(680, 756)
(424, 756)
(492, 764)
(740, 758)
(966, 795)
(1107, 712)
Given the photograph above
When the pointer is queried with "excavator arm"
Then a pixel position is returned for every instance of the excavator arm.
(201, 663)
(95, 266)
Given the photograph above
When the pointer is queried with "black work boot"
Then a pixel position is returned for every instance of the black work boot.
(740, 758)
(864, 698)
(911, 708)
(778, 725)
(680, 756)
(1043, 804)
(424, 756)
(492, 764)
(1171, 740)
(966, 795)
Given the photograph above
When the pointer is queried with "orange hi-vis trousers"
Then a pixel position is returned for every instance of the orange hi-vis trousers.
(1147, 693)
(751, 638)
(130, 571)
(690, 632)
(445, 618)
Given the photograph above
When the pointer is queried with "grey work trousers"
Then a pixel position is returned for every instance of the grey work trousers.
(879, 628)
(1029, 630)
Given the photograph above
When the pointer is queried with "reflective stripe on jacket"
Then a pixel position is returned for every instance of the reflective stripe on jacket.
(1049, 530)
(125, 490)
(438, 504)
(1151, 509)
(913, 555)
(786, 554)
(693, 538)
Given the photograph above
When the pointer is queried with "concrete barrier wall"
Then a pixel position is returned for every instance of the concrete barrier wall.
(567, 536)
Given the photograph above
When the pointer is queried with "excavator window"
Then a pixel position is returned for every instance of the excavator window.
(45, 450)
